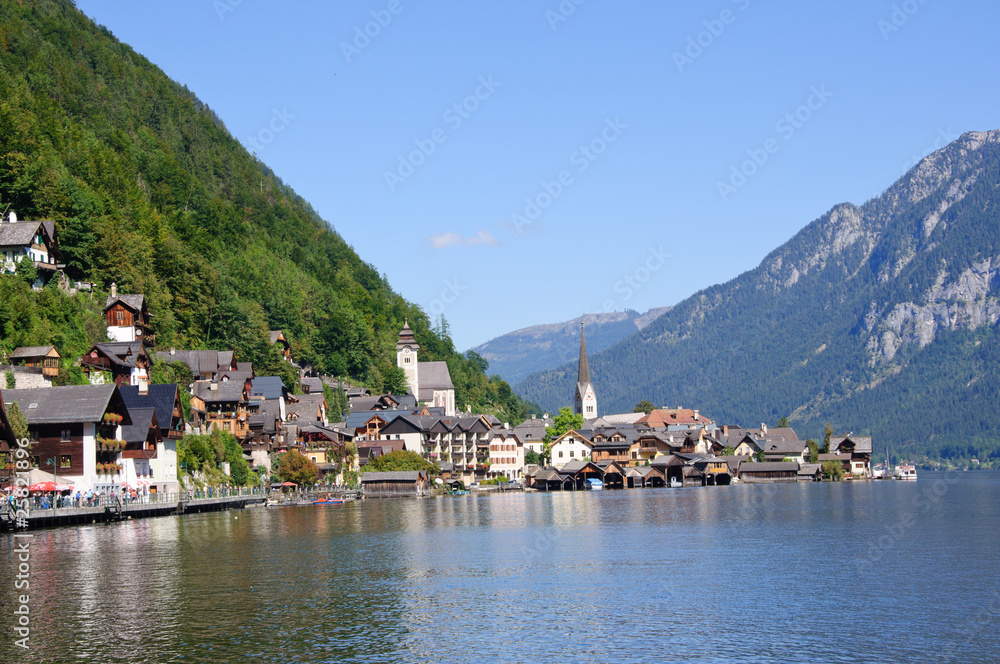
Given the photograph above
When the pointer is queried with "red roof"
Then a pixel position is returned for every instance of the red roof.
(663, 417)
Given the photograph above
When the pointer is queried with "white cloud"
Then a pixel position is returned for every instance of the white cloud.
(444, 240)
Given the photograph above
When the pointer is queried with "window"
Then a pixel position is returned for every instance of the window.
(64, 436)
(226, 426)
(64, 461)
(120, 316)
(571, 453)
(560, 454)
(406, 360)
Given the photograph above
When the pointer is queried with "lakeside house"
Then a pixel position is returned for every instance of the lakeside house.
(76, 431)
(34, 240)
(394, 484)
(127, 318)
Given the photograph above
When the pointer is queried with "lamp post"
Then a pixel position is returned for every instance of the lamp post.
(51, 461)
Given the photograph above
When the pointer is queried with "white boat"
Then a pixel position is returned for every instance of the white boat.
(906, 472)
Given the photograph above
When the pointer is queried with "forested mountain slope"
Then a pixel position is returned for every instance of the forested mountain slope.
(149, 190)
(881, 319)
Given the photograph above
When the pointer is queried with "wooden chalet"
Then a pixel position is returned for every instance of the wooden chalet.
(652, 444)
(858, 449)
(45, 358)
(644, 476)
(126, 361)
(222, 404)
(34, 240)
(74, 428)
(613, 474)
(613, 446)
(581, 471)
(127, 318)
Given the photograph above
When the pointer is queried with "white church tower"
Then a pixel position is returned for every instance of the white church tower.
(406, 358)
(585, 400)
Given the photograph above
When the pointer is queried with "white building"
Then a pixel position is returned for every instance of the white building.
(506, 455)
(429, 382)
(571, 446)
(585, 398)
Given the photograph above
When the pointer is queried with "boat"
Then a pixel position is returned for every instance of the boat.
(906, 472)
(459, 493)
(675, 483)
(593, 484)
(329, 500)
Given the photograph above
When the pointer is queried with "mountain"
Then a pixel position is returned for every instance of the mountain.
(148, 189)
(516, 354)
(880, 319)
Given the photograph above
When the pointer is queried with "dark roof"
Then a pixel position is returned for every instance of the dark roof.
(583, 371)
(20, 233)
(269, 387)
(122, 353)
(68, 404)
(810, 469)
(267, 416)
(30, 351)
(315, 385)
(769, 467)
(133, 302)
(274, 335)
(434, 376)
(159, 397)
(138, 431)
(225, 392)
(406, 338)
(789, 447)
(862, 444)
(394, 476)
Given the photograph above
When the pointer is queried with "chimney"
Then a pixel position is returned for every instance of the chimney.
(763, 427)
(12, 218)
(143, 387)
(532, 416)
(213, 386)
(545, 416)
(173, 352)
(114, 289)
(696, 415)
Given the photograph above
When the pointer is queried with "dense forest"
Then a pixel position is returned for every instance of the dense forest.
(880, 319)
(149, 190)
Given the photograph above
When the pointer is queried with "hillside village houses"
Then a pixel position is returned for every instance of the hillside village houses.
(122, 430)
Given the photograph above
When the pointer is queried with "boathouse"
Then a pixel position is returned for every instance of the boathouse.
(769, 471)
(392, 484)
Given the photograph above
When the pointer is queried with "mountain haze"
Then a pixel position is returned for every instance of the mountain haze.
(881, 319)
(516, 354)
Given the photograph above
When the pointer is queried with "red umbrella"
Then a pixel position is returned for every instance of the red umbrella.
(49, 487)
(289, 484)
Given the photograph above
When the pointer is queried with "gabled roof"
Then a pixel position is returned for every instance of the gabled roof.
(579, 465)
(434, 376)
(862, 444)
(226, 392)
(267, 416)
(314, 385)
(22, 233)
(275, 335)
(27, 352)
(120, 353)
(142, 420)
(133, 302)
(269, 387)
(162, 398)
(787, 447)
(68, 404)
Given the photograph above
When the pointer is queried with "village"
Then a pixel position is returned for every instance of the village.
(119, 434)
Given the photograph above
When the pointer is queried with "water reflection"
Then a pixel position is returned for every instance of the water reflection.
(725, 574)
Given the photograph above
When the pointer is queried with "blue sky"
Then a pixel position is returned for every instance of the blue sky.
(509, 164)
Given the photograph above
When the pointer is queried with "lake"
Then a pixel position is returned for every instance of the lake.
(850, 572)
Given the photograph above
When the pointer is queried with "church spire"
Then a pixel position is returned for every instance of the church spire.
(584, 374)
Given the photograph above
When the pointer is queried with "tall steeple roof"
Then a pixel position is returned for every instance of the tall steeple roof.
(584, 375)
(406, 338)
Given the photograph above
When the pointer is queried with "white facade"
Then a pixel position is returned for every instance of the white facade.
(571, 446)
(122, 333)
(586, 402)
(506, 456)
(445, 399)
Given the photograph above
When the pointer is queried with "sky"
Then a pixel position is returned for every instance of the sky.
(509, 164)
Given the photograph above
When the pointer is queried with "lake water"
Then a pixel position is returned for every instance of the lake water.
(852, 572)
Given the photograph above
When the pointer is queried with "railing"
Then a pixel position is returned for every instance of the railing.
(126, 500)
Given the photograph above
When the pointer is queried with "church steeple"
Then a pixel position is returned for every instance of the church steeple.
(406, 358)
(585, 399)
